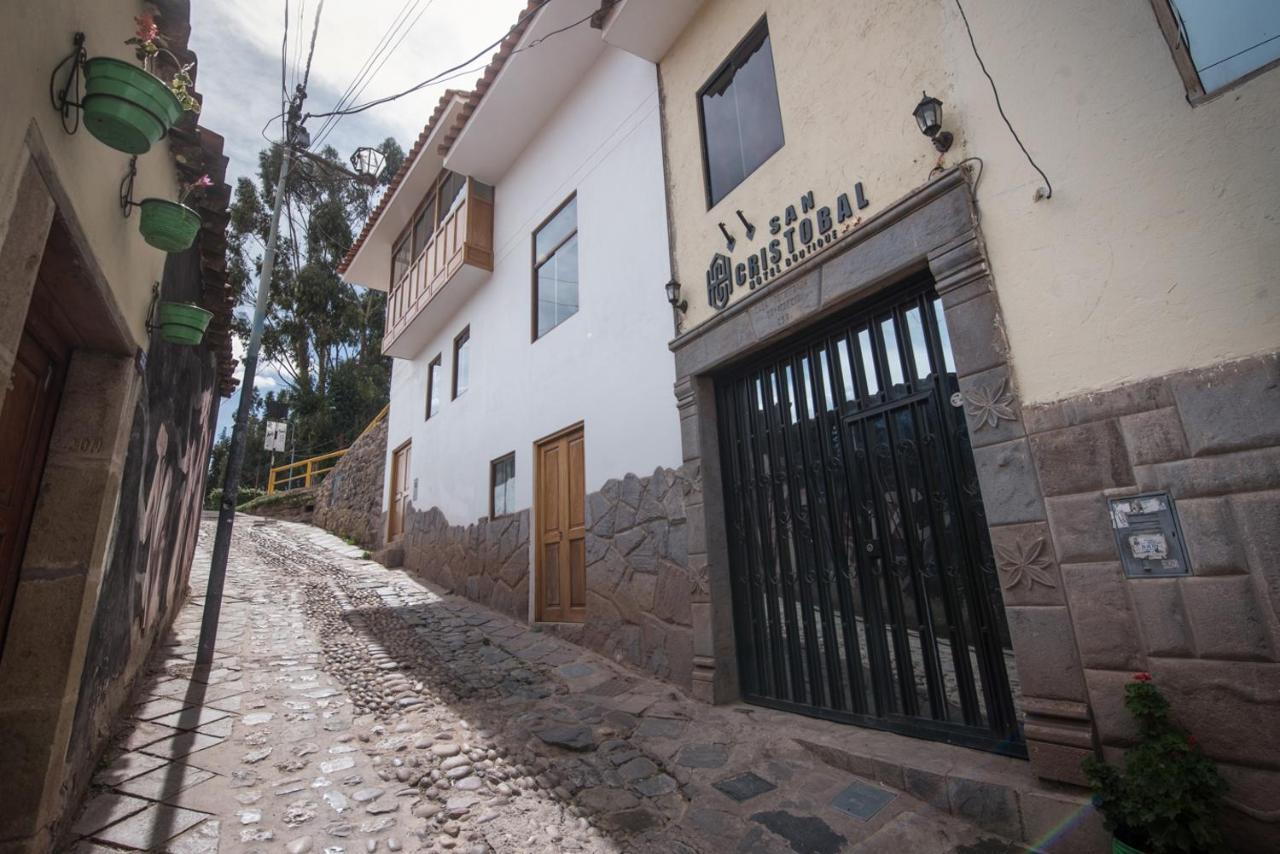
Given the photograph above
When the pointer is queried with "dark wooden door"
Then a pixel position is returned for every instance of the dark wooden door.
(399, 490)
(26, 423)
(561, 554)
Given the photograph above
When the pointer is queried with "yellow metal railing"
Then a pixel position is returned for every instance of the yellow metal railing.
(312, 470)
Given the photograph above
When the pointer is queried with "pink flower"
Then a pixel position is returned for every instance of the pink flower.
(1142, 677)
(147, 29)
(202, 181)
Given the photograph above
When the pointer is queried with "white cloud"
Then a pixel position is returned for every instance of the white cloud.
(238, 42)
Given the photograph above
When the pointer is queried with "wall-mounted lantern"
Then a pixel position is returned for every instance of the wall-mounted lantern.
(673, 297)
(928, 115)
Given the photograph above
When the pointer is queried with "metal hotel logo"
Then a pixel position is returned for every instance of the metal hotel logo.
(795, 235)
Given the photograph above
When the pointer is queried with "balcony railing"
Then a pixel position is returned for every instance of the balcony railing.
(459, 250)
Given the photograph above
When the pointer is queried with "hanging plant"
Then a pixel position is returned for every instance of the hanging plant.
(182, 323)
(128, 107)
(171, 226)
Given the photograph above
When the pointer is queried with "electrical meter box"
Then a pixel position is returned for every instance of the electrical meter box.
(1149, 536)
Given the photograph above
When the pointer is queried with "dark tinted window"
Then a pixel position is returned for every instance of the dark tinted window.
(502, 484)
(433, 387)
(741, 121)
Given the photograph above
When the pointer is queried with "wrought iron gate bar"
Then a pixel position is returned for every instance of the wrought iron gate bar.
(862, 575)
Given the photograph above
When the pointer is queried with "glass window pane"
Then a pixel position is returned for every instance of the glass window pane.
(869, 368)
(892, 356)
(1229, 40)
(560, 226)
(433, 387)
(741, 120)
(846, 372)
(919, 349)
(462, 364)
(400, 260)
(422, 229)
(827, 392)
(450, 195)
(940, 318)
(558, 287)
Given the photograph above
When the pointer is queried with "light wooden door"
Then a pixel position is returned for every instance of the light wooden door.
(561, 554)
(399, 490)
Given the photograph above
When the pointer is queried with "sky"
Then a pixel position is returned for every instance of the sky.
(238, 43)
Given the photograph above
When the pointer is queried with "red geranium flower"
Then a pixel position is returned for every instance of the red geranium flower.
(1191, 740)
(1142, 677)
(147, 29)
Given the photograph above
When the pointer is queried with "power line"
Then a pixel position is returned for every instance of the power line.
(386, 38)
(284, 62)
(437, 77)
(999, 107)
(315, 30)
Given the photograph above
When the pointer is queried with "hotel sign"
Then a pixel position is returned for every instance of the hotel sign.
(799, 231)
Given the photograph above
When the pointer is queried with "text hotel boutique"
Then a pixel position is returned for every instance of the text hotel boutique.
(964, 444)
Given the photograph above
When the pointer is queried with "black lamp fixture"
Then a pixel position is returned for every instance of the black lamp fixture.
(368, 164)
(673, 296)
(928, 115)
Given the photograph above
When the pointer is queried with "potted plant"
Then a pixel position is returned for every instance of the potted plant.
(126, 106)
(171, 226)
(182, 323)
(1167, 796)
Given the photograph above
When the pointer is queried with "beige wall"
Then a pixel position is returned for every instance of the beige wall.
(39, 38)
(1160, 248)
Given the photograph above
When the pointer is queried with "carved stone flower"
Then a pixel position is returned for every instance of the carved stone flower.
(989, 405)
(1025, 562)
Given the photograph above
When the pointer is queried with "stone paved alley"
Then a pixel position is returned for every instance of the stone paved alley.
(354, 709)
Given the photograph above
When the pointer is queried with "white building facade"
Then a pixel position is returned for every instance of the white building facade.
(533, 442)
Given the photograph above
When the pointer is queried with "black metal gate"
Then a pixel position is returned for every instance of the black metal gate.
(863, 580)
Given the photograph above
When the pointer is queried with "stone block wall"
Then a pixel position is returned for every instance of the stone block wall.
(639, 585)
(488, 561)
(348, 501)
(639, 588)
(1211, 439)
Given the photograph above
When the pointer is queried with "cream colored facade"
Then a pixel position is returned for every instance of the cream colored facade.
(40, 37)
(1160, 245)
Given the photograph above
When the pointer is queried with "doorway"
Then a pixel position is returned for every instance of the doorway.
(26, 424)
(863, 581)
(400, 495)
(560, 557)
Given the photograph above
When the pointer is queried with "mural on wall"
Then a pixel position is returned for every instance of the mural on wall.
(156, 527)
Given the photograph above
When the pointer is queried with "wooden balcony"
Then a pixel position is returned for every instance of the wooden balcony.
(457, 257)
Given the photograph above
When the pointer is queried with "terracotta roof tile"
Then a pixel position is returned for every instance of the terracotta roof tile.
(419, 144)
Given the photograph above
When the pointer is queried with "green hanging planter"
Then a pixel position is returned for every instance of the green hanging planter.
(168, 225)
(126, 106)
(182, 323)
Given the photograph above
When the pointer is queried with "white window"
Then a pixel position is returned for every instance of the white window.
(555, 269)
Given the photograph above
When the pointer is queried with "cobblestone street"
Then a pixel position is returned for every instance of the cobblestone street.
(354, 709)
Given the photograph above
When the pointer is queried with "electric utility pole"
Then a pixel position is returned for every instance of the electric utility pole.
(235, 454)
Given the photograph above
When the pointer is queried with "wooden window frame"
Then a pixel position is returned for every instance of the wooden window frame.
(535, 264)
(437, 362)
(734, 56)
(1172, 30)
(463, 337)
(430, 198)
(493, 483)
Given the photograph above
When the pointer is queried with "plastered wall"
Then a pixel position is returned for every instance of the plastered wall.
(1159, 249)
(39, 37)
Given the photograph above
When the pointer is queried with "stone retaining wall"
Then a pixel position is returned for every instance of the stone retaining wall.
(638, 579)
(488, 562)
(348, 501)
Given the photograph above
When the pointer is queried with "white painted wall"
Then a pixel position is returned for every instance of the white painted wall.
(608, 365)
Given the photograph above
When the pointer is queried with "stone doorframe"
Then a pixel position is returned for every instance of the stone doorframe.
(69, 539)
(935, 228)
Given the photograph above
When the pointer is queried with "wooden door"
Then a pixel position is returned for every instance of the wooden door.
(399, 490)
(26, 423)
(561, 554)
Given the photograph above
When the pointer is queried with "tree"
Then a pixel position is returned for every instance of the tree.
(323, 336)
